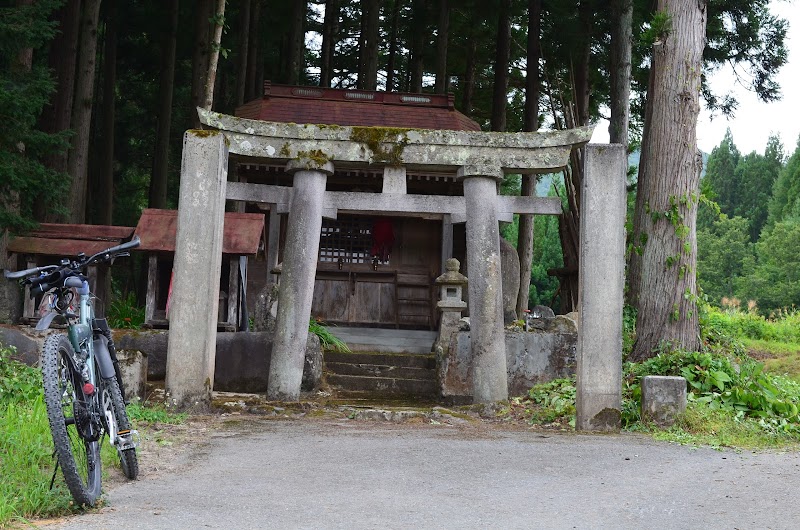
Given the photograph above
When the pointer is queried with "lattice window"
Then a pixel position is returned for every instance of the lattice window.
(348, 238)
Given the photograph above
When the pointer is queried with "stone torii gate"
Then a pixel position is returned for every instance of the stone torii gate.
(478, 158)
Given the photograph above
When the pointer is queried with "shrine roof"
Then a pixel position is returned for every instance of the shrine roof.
(363, 108)
(157, 230)
(68, 240)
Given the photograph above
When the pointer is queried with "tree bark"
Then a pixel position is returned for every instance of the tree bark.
(390, 64)
(104, 200)
(469, 76)
(200, 57)
(254, 82)
(330, 28)
(369, 51)
(158, 180)
(667, 299)
(416, 65)
(637, 239)
(244, 48)
(82, 111)
(442, 36)
(526, 222)
(57, 115)
(294, 56)
(581, 70)
(503, 52)
(621, 43)
(214, 55)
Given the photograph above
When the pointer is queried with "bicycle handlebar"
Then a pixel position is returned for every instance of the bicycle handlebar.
(42, 282)
(28, 272)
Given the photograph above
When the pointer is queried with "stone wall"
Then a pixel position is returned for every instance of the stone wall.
(537, 356)
(242, 359)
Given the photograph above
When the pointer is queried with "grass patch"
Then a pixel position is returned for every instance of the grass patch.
(154, 413)
(328, 340)
(26, 446)
(778, 357)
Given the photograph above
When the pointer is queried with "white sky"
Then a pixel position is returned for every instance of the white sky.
(754, 121)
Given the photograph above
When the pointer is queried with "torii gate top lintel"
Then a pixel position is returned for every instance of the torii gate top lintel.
(529, 152)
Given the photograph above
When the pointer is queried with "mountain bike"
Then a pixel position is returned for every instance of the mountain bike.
(82, 384)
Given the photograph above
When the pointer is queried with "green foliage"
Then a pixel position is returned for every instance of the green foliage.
(723, 249)
(785, 201)
(154, 413)
(23, 93)
(125, 314)
(328, 340)
(775, 278)
(19, 383)
(783, 327)
(556, 399)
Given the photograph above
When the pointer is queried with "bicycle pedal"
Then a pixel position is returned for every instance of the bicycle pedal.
(125, 439)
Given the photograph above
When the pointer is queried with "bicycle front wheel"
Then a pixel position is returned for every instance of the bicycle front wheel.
(70, 421)
(119, 427)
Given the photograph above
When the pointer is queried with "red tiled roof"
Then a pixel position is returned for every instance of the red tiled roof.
(300, 104)
(67, 240)
(157, 230)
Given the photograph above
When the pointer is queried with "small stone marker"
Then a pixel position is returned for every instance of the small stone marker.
(133, 368)
(663, 398)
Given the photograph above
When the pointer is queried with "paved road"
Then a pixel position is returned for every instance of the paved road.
(352, 474)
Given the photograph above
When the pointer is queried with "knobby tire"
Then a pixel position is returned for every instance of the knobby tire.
(79, 459)
(127, 457)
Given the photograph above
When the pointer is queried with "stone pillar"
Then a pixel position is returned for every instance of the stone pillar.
(601, 281)
(490, 379)
(297, 282)
(194, 307)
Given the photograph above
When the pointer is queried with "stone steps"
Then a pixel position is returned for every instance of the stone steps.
(381, 370)
(381, 374)
(385, 386)
(386, 340)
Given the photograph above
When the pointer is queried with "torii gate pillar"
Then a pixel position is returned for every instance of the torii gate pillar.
(192, 346)
(296, 290)
(490, 378)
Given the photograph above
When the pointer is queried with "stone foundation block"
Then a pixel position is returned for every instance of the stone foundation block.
(663, 398)
(133, 368)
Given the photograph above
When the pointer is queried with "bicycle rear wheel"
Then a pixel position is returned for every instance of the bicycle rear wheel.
(70, 421)
(119, 427)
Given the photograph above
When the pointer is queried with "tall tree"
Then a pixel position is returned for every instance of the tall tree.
(721, 175)
(501, 64)
(244, 48)
(621, 49)
(25, 30)
(370, 39)
(785, 201)
(77, 165)
(391, 61)
(330, 28)
(57, 114)
(417, 63)
(442, 36)
(158, 181)
(216, 40)
(294, 56)
(667, 299)
(526, 222)
(200, 56)
(104, 199)
(254, 79)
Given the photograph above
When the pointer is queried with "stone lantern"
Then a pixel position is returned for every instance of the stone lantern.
(451, 302)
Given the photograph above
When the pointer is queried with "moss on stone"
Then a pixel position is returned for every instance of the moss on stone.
(314, 159)
(386, 143)
(204, 133)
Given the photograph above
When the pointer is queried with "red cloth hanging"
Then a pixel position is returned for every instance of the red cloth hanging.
(382, 238)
